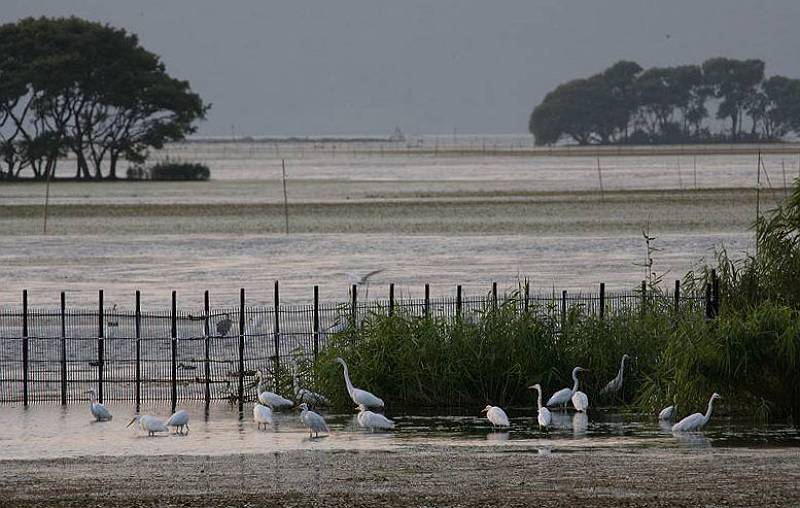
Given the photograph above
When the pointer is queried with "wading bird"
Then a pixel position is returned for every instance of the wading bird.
(667, 414)
(561, 397)
(268, 398)
(359, 396)
(262, 415)
(580, 400)
(313, 399)
(543, 417)
(224, 325)
(373, 421)
(313, 421)
(362, 280)
(615, 384)
(696, 421)
(497, 416)
(150, 424)
(99, 411)
(179, 420)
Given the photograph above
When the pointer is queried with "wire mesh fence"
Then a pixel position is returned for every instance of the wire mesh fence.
(213, 353)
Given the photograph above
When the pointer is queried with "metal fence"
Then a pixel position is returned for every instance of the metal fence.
(211, 353)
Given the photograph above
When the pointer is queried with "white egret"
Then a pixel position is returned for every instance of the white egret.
(262, 415)
(698, 420)
(667, 414)
(311, 398)
(580, 400)
(179, 420)
(561, 397)
(496, 415)
(313, 421)
(543, 417)
(268, 398)
(359, 396)
(615, 384)
(373, 421)
(99, 411)
(149, 424)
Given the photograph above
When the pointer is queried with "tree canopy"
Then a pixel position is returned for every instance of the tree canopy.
(628, 104)
(73, 87)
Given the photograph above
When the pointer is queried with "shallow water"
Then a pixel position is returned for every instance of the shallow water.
(53, 431)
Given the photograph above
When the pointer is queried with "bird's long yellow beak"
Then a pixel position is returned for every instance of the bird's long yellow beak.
(130, 422)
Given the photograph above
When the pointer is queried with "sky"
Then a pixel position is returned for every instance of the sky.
(362, 67)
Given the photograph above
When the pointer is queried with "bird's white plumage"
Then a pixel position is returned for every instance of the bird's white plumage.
(311, 398)
(359, 396)
(149, 424)
(563, 396)
(580, 401)
(314, 421)
(98, 410)
(373, 421)
(615, 384)
(179, 420)
(698, 420)
(496, 416)
(668, 413)
(262, 415)
(543, 415)
(271, 399)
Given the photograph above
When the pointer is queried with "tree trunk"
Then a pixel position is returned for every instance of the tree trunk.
(112, 166)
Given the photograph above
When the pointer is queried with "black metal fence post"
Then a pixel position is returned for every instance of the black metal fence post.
(458, 301)
(25, 371)
(315, 329)
(602, 300)
(174, 349)
(709, 311)
(715, 291)
(63, 348)
(644, 297)
(276, 337)
(563, 309)
(391, 299)
(207, 344)
(677, 295)
(427, 308)
(242, 312)
(100, 346)
(354, 306)
(526, 305)
(494, 294)
(138, 333)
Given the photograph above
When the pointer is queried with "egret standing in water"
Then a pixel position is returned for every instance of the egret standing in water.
(305, 395)
(615, 384)
(698, 420)
(262, 415)
(359, 396)
(313, 421)
(563, 396)
(150, 424)
(179, 420)
(579, 399)
(373, 421)
(543, 417)
(271, 399)
(497, 416)
(99, 411)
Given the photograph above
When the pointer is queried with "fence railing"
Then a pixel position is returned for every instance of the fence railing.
(181, 354)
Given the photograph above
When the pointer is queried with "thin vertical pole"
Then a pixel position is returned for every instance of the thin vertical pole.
(708, 300)
(644, 296)
(174, 348)
(206, 333)
(677, 295)
(316, 323)
(46, 200)
(277, 335)
(602, 300)
(242, 311)
(526, 305)
(694, 163)
(391, 299)
(758, 202)
(563, 309)
(100, 346)
(715, 291)
(783, 170)
(458, 301)
(25, 346)
(63, 348)
(427, 309)
(353, 305)
(285, 198)
(494, 294)
(138, 332)
(600, 178)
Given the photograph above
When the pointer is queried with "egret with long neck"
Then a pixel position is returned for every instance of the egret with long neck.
(563, 396)
(360, 397)
(698, 420)
(543, 416)
(615, 384)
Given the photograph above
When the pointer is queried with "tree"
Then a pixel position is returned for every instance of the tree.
(733, 82)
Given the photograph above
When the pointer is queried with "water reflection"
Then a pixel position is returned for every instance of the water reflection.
(692, 439)
(498, 436)
(580, 423)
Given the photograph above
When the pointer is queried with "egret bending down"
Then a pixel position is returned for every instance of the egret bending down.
(615, 384)
(314, 399)
(696, 421)
(262, 415)
(543, 417)
(667, 414)
(373, 421)
(150, 424)
(268, 398)
(359, 396)
(561, 397)
(313, 421)
(497, 416)
(179, 420)
(99, 411)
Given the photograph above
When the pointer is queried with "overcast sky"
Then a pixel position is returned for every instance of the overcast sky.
(338, 67)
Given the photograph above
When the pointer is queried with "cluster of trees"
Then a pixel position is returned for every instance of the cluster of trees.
(70, 87)
(627, 104)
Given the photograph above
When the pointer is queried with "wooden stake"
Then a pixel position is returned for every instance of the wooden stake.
(285, 198)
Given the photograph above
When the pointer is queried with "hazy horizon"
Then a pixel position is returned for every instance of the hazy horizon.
(360, 67)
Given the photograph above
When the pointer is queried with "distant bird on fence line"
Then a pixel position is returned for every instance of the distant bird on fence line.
(224, 325)
(262, 415)
(698, 420)
(667, 414)
(268, 398)
(305, 395)
(563, 396)
(362, 280)
(373, 421)
(149, 424)
(359, 396)
(496, 416)
(543, 416)
(615, 384)
(179, 420)
(99, 411)
(313, 421)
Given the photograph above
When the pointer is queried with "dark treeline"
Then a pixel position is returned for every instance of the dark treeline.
(70, 87)
(626, 104)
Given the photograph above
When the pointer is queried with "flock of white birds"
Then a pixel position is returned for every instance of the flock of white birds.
(375, 421)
